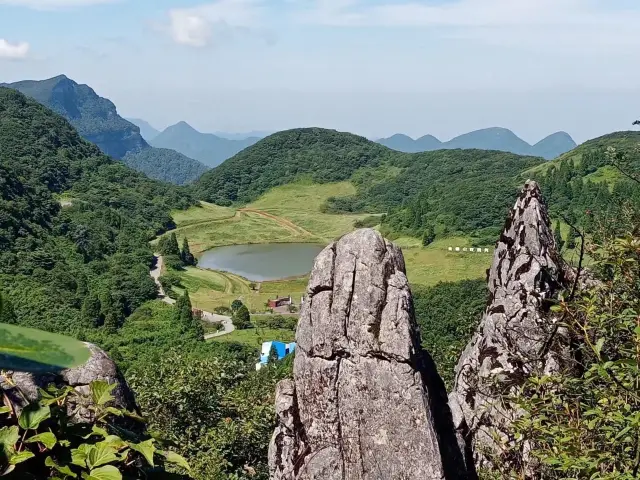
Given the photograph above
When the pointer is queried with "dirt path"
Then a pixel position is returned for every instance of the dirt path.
(206, 316)
(283, 222)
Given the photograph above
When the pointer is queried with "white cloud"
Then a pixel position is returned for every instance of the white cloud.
(505, 22)
(54, 4)
(13, 51)
(204, 24)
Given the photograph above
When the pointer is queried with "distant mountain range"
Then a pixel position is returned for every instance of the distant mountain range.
(97, 121)
(147, 131)
(495, 138)
(207, 148)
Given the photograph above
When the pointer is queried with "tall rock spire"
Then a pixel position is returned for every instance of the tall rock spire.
(517, 336)
(366, 401)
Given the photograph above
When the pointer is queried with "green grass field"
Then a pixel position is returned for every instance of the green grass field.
(209, 289)
(206, 212)
(291, 213)
(34, 350)
(254, 337)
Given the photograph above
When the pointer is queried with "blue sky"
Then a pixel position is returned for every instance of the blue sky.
(374, 67)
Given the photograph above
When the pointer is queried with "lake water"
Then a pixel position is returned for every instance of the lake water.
(261, 263)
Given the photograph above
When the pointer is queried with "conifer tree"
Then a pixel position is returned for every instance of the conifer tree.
(189, 325)
(273, 355)
(186, 255)
(557, 233)
(428, 236)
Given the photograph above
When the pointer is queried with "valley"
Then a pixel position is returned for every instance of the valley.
(291, 214)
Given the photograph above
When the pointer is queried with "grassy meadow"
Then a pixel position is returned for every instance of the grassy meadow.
(291, 213)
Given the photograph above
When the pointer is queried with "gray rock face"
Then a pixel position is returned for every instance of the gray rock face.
(517, 335)
(98, 367)
(366, 402)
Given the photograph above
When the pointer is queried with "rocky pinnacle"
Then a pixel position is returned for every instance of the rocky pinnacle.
(366, 401)
(517, 336)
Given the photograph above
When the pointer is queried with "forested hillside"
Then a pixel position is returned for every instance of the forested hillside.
(588, 185)
(97, 246)
(316, 153)
(83, 269)
(445, 190)
(97, 120)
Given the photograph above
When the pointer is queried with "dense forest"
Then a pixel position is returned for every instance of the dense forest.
(448, 191)
(319, 154)
(96, 120)
(75, 257)
(153, 163)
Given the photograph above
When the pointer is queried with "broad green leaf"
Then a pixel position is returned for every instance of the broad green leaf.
(32, 415)
(599, 345)
(48, 439)
(79, 455)
(114, 411)
(30, 350)
(101, 391)
(108, 472)
(101, 454)
(176, 459)
(5, 410)
(20, 457)
(146, 448)
(64, 469)
(9, 437)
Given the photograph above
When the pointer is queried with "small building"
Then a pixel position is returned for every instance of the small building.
(451, 249)
(281, 348)
(486, 250)
(279, 302)
(457, 249)
(465, 249)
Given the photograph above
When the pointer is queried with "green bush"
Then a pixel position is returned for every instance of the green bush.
(43, 441)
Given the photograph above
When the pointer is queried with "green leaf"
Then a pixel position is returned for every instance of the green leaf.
(20, 457)
(32, 415)
(30, 350)
(108, 472)
(101, 391)
(101, 454)
(48, 439)
(599, 345)
(64, 469)
(9, 437)
(5, 410)
(146, 448)
(176, 459)
(95, 430)
(79, 455)
(115, 442)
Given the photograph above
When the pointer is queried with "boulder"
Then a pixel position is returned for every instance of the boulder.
(366, 401)
(518, 335)
(22, 387)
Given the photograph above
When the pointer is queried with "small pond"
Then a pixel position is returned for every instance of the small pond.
(262, 263)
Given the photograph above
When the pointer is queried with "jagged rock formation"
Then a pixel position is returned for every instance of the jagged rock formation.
(99, 367)
(517, 335)
(366, 401)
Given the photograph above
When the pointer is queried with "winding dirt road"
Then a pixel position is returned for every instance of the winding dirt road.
(207, 316)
